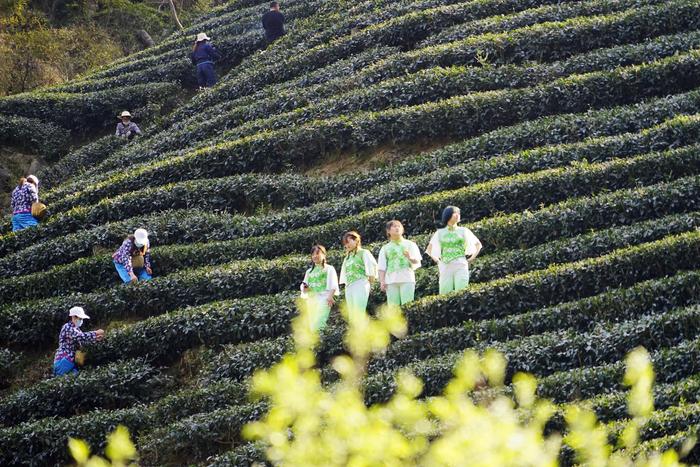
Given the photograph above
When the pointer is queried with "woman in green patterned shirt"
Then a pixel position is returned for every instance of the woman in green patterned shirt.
(359, 270)
(320, 285)
(397, 261)
(449, 247)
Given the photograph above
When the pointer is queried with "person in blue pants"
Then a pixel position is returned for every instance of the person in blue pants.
(23, 196)
(70, 338)
(133, 258)
(203, 57)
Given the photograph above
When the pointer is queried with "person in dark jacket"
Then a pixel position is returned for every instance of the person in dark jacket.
(273, 23)
(203, 57)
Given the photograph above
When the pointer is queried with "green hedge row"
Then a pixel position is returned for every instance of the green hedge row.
(219, 193)
(274, 150)
(44, 138)
(502, 232)
(675, 441)
(85, 112)
(44, 442)
(541, 14)
(656, 295)
(247, 454)
(556, 351)
(198, 436)
(113, 386)
(670, 365)
(548, 41)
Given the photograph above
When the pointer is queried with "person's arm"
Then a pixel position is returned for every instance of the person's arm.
(381, 266)
(304, 286)
(81, 337)
(414, 255)
(370, 266)
(117, 133)
(332, 283)
(147, 259)
(215, 53)
(34, 193)
(136, 129)
(123, 257)
(342, 279)
(434, 250)
(473, 245)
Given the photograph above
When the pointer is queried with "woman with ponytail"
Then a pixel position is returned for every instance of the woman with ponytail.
(453, 248)
(320, 286)
(359, 270)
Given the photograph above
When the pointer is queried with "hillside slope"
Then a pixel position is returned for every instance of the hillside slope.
(568, 132)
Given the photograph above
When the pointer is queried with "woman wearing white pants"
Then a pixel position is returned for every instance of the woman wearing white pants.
(319, 287)
(359, 270)
(397, 262)
(449, 247)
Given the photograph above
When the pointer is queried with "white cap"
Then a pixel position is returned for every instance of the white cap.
(141, 237)
(202, 37)
(33, 178)
(79, 312)
(125, 114)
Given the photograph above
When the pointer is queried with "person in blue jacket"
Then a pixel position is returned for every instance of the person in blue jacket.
(203, 57)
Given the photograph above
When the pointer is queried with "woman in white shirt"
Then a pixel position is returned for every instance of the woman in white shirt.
(449, 247)
(359, 270)
(397, 261)
(320, 286)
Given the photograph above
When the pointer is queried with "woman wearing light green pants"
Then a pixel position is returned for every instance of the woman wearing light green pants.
(359, 270)
(397, 261)
(319, 287)
(449, 247)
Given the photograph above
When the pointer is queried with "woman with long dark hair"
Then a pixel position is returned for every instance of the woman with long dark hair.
(449, 248)
(320, 286)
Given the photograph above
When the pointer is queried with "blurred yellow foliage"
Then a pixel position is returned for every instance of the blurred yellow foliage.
(312, 425)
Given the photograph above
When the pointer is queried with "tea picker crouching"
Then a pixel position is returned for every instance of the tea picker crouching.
(69, 339)
(133, 259)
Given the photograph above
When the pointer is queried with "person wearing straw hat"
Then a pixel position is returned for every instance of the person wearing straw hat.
(69, 339)
(22, 199)
(126, 128)
(203, 57)
(449, 248)
(133, 259)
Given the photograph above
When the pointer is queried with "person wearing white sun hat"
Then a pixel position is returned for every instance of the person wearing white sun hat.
(203, 57)
(133, 258)
(70, 338)
(126, 128)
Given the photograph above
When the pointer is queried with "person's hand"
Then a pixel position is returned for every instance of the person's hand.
(407, 254)
(100, 334)
(305, 286)
(149, 270)
(331, 300)
(133, 277)
(382, 285)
